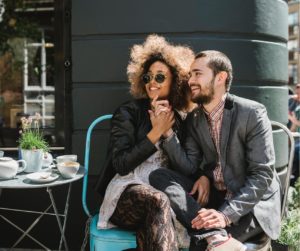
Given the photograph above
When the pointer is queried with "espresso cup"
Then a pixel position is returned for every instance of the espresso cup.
(68, 169)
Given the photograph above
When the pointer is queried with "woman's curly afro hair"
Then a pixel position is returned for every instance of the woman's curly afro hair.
(178, 58)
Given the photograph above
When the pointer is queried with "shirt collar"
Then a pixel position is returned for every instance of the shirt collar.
(217, 112)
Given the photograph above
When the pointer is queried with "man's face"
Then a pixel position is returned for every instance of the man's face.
(201, 82)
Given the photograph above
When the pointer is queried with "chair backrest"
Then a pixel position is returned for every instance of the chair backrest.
(87, 159)
(285, 180)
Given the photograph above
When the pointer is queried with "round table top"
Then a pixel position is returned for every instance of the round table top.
(20, 181)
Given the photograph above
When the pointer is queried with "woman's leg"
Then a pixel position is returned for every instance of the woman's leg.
(147, 211)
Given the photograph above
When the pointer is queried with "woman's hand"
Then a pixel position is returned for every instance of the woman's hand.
(162, 106)
(161, 123)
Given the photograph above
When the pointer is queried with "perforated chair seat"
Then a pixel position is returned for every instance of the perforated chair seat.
(114, 239)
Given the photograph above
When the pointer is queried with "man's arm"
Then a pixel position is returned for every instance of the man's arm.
(185, 159)
(259, 166)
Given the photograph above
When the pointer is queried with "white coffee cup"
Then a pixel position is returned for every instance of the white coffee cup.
(68, 169)
(66, 158)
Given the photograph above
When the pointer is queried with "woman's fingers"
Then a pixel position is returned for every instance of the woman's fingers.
(161, 109)
(155, 104)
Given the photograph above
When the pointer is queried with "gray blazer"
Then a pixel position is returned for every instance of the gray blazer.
(247, 160)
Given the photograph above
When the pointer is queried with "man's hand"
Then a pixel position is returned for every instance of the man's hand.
(202, 186)
(209, 218)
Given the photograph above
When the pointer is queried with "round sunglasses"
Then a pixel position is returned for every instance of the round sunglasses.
(159, 78)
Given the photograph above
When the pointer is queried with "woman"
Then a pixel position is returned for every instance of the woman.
(158, 73)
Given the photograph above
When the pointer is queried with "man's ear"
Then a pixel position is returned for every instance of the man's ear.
(222, 77)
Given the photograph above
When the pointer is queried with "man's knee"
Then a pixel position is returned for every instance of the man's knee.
(159, 177)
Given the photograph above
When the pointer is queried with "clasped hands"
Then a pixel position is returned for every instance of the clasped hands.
(162, 117)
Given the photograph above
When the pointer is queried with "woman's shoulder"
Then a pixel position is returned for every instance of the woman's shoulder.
(132, 107)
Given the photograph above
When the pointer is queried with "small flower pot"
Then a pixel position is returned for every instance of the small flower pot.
(34, 160)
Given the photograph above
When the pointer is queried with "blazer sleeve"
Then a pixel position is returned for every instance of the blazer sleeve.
(260, 161)
(127, 152)
(186, 157)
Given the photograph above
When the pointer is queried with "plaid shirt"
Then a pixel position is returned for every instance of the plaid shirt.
(214, 119)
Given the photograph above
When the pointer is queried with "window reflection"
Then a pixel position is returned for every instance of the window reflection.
(27, 63)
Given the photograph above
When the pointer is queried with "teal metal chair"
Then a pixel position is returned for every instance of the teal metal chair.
(114, 239)
(283, 165)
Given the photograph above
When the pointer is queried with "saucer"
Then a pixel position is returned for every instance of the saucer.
(38, 177)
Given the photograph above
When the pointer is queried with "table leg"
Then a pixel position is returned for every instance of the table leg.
(30, 227)
(57, 217)
(66, 213)
(20, 229)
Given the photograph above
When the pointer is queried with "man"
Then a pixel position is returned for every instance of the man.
(223, 179)
(294, 102)
(294, 125)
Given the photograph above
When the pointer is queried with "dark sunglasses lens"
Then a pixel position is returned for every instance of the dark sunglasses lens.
(146, 78)
(160, 78)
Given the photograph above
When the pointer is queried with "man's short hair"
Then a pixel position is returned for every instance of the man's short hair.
(218, 61)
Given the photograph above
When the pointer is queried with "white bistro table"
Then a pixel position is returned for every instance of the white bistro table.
(22, 182)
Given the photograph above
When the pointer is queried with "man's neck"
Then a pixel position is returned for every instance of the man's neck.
(214, 102)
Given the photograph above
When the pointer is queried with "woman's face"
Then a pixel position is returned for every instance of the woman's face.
(160, 81)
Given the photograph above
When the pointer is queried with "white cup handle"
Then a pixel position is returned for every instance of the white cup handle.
(24, 165)
(47, 168)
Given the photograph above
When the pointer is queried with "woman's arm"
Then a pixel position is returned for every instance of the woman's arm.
(128, 151)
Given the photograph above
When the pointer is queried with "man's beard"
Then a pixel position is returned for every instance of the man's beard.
(205, 98)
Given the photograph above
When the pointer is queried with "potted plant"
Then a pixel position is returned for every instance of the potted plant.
(32, 143)
(290, 227)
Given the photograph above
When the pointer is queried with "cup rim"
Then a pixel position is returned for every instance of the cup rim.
(74, 164)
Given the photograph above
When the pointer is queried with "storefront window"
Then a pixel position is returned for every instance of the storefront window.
(293, 18)
(293, 74)
(27, 62)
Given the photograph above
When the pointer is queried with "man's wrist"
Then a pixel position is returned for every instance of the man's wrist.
(227, 220)
(168, 134)
(166, 137)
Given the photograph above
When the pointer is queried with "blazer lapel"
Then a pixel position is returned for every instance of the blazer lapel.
(204, 131)
(225, 128)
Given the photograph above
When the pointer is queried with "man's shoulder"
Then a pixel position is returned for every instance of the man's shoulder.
(245, 103)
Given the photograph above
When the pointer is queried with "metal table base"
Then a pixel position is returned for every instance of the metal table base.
(20, 182)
